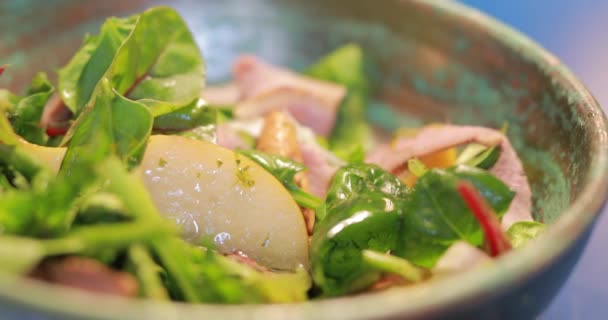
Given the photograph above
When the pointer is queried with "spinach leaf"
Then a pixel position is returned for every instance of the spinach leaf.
(150, 57)
(436, 216)
(25, 116)
(346, 66)
(353, 180)
(284, 170)
(363, 211)
(196, 120)
(522, 232)
(111, 124)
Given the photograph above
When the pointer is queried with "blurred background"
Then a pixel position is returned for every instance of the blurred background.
(575, 31)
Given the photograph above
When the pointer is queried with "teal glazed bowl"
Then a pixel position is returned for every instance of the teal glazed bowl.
(430, 61)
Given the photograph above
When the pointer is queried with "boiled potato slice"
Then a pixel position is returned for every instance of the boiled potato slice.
(219, 196)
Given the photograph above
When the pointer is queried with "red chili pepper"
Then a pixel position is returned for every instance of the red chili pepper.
(2, 67)
(495, 239)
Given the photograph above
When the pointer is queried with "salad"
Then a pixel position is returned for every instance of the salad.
(130, 176)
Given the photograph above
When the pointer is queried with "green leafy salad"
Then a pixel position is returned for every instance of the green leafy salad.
(130, 176)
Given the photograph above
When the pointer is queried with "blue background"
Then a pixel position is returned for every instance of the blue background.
(576, 32)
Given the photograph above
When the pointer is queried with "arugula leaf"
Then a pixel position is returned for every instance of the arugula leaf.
(352, 133)
(147, 273)
(111, 124)
(199, 275)
(150, 57)
(522, 232)
(284, 170)
(436, 216)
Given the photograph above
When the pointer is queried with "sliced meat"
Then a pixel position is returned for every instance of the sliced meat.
(264, 87)
(221, 95)
(321, 164)
(87, 274)
(461, 256)
(279, 137)
(432, 139)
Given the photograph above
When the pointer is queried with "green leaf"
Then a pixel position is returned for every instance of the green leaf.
(196, 120)
(363, 208)
(111, 124)
(147, 273)
(356, 179)
(390, 264)
(284, 170)
(416, 167)
(346, 66)
(368, 221)
(436, 216)
(25, 114)
(520, 233)
(151, 57)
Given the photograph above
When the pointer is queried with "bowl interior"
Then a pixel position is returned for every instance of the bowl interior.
(427, 64)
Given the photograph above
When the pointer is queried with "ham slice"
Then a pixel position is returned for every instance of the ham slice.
(264, 87)
(432, 139)
(221, 95)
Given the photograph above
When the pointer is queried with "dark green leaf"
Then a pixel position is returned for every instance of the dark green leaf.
(363, 208)
(196, 120)
(436, 216)
(522, 232)
(353, 180)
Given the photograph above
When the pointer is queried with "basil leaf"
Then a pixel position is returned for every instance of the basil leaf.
(345, 66)
(522, 232)
(436, 216)
(151, 57)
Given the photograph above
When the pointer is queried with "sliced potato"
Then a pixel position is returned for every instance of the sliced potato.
(216, 195)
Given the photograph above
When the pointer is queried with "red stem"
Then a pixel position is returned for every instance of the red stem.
(495, 239)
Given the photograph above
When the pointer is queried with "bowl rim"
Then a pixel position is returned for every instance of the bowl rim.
(512, 269)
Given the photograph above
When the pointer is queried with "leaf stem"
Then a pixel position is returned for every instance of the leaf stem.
(392, 264)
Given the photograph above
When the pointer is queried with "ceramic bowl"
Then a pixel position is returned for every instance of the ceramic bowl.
(432, 61)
